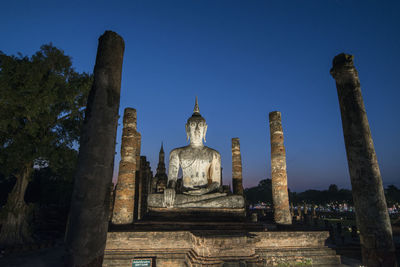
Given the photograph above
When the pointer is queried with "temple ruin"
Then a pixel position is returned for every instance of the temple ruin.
(195, 220)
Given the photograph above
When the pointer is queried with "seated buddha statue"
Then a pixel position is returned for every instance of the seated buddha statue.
(201, 165)
(201, 169)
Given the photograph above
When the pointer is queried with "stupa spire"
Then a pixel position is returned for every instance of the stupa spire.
(196, 109)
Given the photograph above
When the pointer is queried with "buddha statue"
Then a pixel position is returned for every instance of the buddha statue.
(201, 181)
(201, 165)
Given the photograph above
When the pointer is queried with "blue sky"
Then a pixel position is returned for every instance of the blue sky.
(243, 59)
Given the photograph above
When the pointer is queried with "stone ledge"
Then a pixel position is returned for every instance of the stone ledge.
(205, 248)
(213, 201)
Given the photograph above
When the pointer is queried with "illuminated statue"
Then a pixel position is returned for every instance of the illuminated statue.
(201, 165)
(201, 181)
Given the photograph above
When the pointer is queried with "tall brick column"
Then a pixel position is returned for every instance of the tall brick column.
(139, 186)
(86, 233)
(124, 202)
(138, 141)
(145, 176)
(366, 182)
(278, 171)
(237, 179)
(112, 194)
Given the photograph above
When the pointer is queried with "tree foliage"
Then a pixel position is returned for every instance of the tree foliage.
(392, 195)
(42, 100)
(260, 193)
(40, 108)
(263, 193)
(333, 194)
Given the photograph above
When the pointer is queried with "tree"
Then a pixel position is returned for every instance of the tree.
(42, 101)
(333, 188)
(260, 193)
(392, 195)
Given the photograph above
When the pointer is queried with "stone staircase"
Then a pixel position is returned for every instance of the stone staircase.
(220, 248)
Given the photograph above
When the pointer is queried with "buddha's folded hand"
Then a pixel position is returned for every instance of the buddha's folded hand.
(169, 197)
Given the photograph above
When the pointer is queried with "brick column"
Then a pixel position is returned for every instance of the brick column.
(145, 177)
(299, 213)
(278, 171)
(368, 195)
(237, 180)
(139, 186)
(138, 141)
(125, 191)
(112, 194)
(87, 225)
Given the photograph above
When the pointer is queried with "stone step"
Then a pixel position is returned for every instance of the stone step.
(196, 260)
(180, 226)
(215, 247)
(324, 251)
(315, 260)
(317, 256)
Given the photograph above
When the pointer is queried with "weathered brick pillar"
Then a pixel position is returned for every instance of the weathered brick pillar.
(299, 213)
(278, 171)
(112, 194)
(139, 185)
(146, 177)
(313, 211)
(369, 200)
(138, 177)
(86, 233)
(124, 203)
(237, 179)
(291, 210)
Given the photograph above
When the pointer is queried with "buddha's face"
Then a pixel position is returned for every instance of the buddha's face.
(196, 131)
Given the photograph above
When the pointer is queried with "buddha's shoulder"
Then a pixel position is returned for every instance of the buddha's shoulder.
(188, 149)
(213, 151)
(178, 150)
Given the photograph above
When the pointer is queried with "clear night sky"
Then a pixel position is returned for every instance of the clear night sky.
(242, 59)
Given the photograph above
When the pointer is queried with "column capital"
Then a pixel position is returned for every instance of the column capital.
(235, 142)
(130, 118)
(343, 70)
(275, 116)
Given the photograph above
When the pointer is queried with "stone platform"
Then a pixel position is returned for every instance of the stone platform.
(215, 205)
(234, 245)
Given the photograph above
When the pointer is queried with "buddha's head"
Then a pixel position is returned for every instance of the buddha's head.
(196, 127)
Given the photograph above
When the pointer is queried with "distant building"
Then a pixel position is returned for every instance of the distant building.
(160, 180)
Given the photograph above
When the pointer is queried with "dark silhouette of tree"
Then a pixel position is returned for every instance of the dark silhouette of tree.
(333, 188)
(392, 195)
(263, 193)
(260, 193)
(53, 186)
(41, 112)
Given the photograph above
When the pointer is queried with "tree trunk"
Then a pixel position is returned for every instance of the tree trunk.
(15, 228)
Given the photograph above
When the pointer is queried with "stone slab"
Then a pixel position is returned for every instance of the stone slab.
(192, 225)
(216, 205)
(218, 248)
(215, 200)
